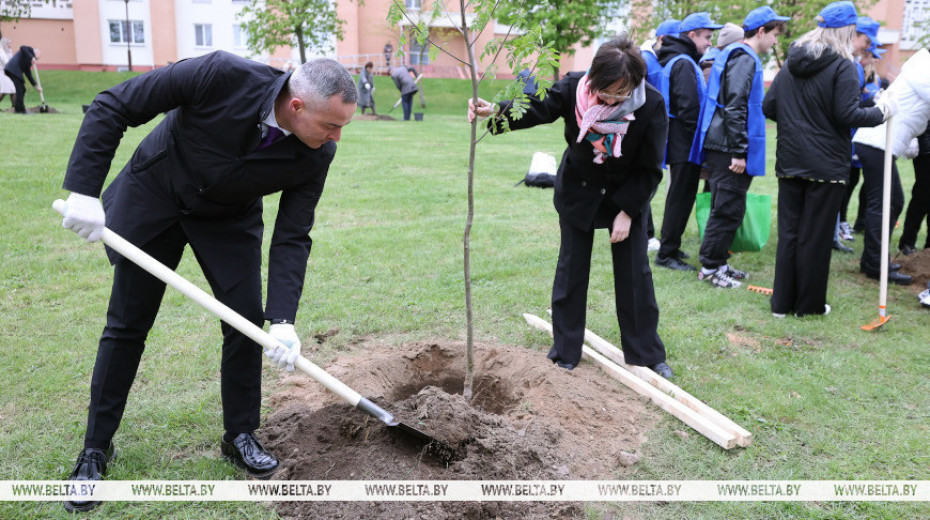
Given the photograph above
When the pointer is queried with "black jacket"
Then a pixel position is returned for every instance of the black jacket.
(199, 167)
(815, 102)
(581, 186)
(21, 64)
(727, 130)
(683, 96)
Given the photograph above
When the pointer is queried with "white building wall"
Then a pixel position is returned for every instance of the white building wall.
(221, 15)
(115, 53)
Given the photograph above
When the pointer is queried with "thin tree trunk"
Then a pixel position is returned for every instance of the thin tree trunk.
(466, 241)
(299, 33)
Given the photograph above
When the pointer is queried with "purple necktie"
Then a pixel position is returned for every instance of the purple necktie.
(271, 136)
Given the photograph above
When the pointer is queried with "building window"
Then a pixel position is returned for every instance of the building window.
(239, 37)
(419, 54)
(915, 24)
(203, 35)
(119, 32)
(413, 4)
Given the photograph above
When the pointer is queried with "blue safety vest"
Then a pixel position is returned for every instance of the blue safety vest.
(653, 68)
(755, 121)
(664, 86)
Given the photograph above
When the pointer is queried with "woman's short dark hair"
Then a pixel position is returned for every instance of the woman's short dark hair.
(618, 59)
(369, 64)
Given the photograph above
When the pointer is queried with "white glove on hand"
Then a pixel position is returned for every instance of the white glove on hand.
(289, 349)
(888, 104)
(367, 86)
(84, 215)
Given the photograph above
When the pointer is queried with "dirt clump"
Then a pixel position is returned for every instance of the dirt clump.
(528, 420)
(917, 265)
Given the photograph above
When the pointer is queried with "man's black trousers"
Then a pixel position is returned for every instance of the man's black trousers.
(637, 311)
(134, 303)
(806, 220)
(918, 209)
(728, 205)
(684, 178)
(19, 103)
(873, 167)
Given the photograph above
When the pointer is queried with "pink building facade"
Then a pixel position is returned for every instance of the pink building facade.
(103, 34)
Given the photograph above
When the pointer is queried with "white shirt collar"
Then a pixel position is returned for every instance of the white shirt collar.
(271, 120)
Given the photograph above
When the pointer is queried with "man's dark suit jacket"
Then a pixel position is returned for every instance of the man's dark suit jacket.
(624, 183)
(21, 64)
(199, 167)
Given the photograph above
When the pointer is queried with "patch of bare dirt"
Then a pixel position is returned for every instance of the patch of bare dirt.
(918, 266)
(528, 420)
(372, 117)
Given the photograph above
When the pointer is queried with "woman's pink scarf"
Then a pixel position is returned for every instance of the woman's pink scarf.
(602, 124)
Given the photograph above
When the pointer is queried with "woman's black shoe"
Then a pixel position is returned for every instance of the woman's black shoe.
(839, 246)
(91, 465)
(246, 452)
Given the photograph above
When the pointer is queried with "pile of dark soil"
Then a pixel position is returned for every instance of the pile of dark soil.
(528, 420)
(918, 266)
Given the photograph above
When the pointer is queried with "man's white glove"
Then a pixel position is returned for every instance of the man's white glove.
(84, 215)
(888, 104)
(289, 349)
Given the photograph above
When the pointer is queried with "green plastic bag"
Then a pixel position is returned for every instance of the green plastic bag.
(753, 233)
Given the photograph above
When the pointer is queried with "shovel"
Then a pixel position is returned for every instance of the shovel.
(883, 315)
(235, 320)
(44, 108)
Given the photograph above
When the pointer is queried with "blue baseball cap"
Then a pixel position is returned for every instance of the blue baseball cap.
(877, 51)
(868, 27)
(761, 16)
(668, 27)
(838, 14)
(696, 21)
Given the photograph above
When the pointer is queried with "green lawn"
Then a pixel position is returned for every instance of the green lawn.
(823, 399)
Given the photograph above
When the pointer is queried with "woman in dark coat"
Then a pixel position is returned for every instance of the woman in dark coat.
(366, 89)
(814, 100)
(615, 128)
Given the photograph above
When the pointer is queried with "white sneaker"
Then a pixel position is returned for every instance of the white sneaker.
(826, 309)
(924, 298)
(654, 244)
(778, 315)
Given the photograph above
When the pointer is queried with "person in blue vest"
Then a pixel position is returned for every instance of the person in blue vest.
(649, 49)
(731, 140)
(682, 86)
(865, 49)
(814, 100)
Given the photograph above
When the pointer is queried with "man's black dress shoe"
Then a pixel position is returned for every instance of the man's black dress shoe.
(674, 263)
(894, 266)
(682, 255)
(566, 366)
(91, 465)
(841, 247)
(246, 452)
(893, 276)
(663, 370)
(907, 249)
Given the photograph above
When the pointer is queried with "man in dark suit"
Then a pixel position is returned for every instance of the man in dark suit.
(21, 65)
(235, 130)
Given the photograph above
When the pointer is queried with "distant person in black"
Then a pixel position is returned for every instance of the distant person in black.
(21, 65)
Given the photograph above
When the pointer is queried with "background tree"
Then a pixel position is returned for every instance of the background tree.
(309, 24)
(530, 50)
(563, 23)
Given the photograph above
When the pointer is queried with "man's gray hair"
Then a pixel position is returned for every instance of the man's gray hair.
(318, 80)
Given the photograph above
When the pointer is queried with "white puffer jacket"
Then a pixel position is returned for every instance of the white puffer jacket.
(911, 89)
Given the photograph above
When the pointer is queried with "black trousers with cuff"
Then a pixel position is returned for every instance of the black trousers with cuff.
(873, 168)
(806, 220)
(918, 209)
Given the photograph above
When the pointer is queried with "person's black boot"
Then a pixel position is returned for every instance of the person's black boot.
(246, 452)
(91, 465)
